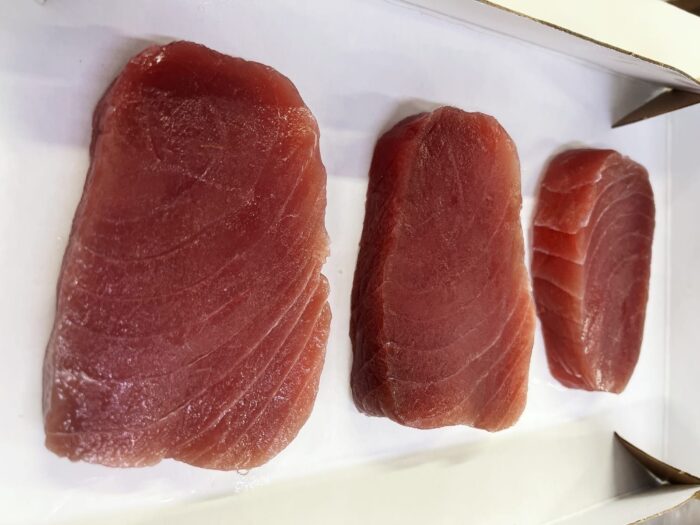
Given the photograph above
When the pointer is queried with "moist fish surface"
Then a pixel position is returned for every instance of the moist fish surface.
(442, 317)
(191, 318)
(593, 232)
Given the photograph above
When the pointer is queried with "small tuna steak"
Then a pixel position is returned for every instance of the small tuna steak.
(593, 232)
(442, 317)
(192, 319)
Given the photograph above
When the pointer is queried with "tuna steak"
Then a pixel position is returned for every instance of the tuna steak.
(593, 232)
(442, 317)
(191, 320)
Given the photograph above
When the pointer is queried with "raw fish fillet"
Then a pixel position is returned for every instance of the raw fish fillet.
(442, 316)
(593, 232)
(192, 319)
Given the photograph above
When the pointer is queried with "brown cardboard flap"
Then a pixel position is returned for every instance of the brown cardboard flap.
(667, 101)
(692, 6)
(685, 513)
(658, 468)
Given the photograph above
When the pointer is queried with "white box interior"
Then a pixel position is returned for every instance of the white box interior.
(360, 65)
(657, 40)
(682, 422)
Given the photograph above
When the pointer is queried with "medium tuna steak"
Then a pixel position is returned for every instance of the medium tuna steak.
(192, 319)
(593, 232)
(442, 317)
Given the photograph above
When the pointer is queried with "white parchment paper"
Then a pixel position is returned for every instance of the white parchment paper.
(360, 65)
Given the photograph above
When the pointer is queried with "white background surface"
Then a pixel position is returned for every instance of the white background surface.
(360, 66)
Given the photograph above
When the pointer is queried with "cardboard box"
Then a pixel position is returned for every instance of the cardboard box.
(360, 66)
(631, 37)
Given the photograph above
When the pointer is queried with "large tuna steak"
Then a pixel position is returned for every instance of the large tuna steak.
(192, 318)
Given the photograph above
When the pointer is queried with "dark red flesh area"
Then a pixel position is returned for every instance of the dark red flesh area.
(593, 231)
(442, 316)
(191, 319)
